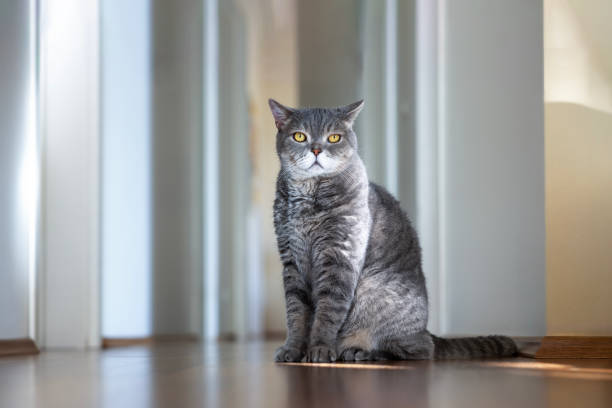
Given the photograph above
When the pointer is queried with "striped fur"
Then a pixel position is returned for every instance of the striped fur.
(354, 285)
(474, 347)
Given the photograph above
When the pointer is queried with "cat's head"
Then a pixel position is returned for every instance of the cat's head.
(315, 142)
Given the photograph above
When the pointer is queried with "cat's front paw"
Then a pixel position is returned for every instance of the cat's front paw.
(285, 354)
(320, 354)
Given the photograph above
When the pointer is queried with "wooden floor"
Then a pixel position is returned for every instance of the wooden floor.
(243, 375)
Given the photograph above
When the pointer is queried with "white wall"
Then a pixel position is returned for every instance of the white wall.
(578, 56)
(151, 168)
(239, 314)
(329, 52)
(18, 166)
(385, 35)
(177, 166)
(126, 257)
(493, 226)
(426, 161)
(578, 220)
(69, 314)
(578, 83)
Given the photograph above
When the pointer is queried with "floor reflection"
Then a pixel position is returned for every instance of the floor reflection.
(357, 385)
(244, 375)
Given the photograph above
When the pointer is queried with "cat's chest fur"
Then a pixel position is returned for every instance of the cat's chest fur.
(327, 219)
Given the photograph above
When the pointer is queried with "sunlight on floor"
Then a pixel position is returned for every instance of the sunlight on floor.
(358, 366)
(556, 369)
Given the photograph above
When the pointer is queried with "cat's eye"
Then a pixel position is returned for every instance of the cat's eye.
(335, 138)
(299, 137)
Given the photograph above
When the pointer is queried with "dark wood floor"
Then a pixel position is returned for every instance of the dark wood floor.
(242, 375)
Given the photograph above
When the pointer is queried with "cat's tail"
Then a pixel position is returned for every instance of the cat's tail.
(473, 347)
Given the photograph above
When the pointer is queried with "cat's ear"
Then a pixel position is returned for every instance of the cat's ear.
(350, 112)
(281, 113)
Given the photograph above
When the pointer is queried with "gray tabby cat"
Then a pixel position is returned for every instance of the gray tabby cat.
(353, 281)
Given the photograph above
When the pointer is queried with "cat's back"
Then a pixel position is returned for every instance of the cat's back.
(384, 207)
(393, 240)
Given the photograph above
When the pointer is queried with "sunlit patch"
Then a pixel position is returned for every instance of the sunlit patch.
(528, 365)
(357, 366)
(555, 369)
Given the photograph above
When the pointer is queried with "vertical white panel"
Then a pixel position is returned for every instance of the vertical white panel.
(427, 221)
(480, 165)
(493, 155)
(69, 88)
(441, 166)
(31, 181)
(237, 305)
(211, 169)
(18, 168)
(176, 175)
(391, 63)
(371, 119)
(126, 168)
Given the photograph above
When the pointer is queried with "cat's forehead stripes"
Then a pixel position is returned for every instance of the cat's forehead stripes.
(318, 121)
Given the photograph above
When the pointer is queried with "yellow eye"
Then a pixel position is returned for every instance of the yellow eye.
(299, 137)
(334, 138)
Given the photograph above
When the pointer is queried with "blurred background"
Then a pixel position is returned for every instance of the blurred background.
(138, 163)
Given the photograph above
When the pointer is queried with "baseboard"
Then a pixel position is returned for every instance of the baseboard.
(568, 347)
(113, 342)
(275, 335)
(17, 347)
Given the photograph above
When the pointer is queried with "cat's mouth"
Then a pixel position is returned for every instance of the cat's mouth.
(316, 163)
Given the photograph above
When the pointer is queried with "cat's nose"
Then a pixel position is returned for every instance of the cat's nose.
(316, 150)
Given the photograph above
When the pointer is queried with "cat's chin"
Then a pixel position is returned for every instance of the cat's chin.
(314, 171)
(303, 175)
(319, 170)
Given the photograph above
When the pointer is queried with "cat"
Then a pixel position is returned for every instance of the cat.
(352, 275)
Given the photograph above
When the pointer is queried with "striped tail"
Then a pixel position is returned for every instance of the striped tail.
(473, 347)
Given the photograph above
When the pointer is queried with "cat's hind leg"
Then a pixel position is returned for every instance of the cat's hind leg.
(357, 345)
(416, 346)
(386, 322)
(356, 354)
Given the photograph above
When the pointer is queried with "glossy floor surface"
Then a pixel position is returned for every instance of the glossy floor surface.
(243, 375)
